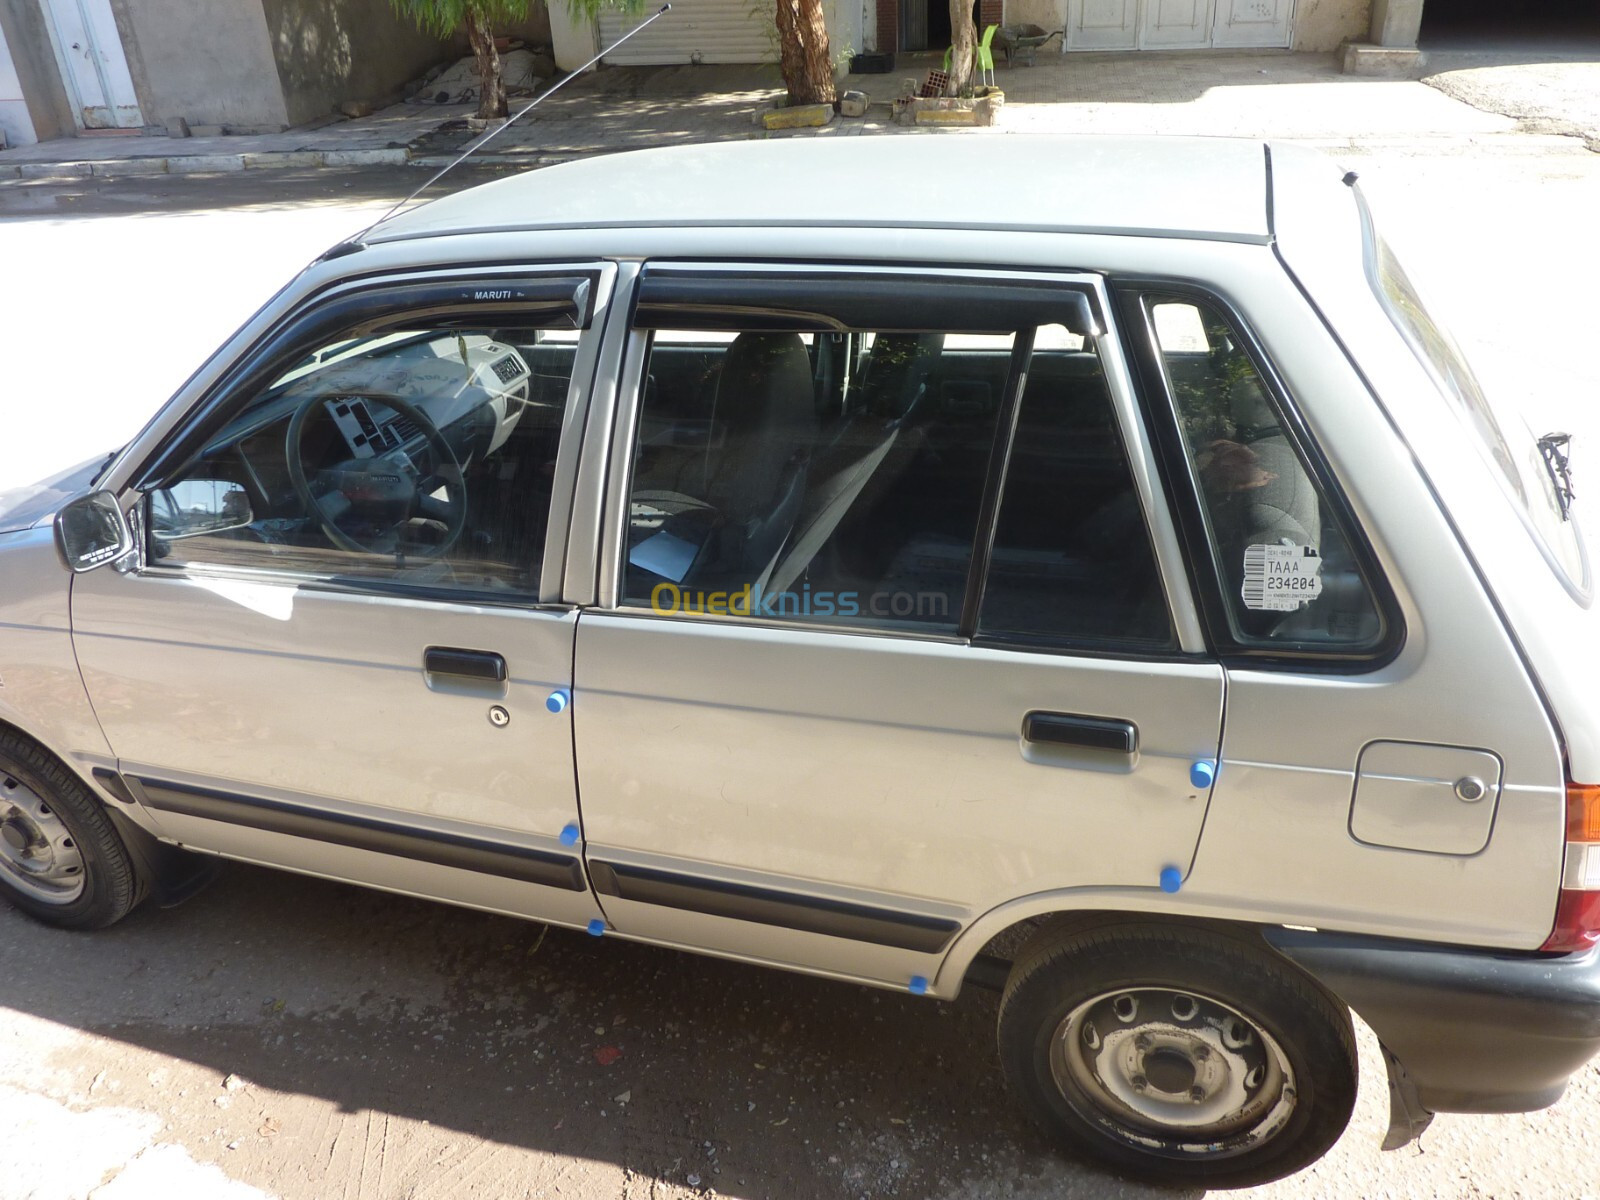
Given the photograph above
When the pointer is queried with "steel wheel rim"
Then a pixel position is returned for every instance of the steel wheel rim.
(1173, 1072)
(38, 854)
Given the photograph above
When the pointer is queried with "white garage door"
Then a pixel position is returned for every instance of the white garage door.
(718, 31)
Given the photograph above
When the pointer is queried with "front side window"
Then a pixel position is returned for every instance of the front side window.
(422, 456)
(1289, 576)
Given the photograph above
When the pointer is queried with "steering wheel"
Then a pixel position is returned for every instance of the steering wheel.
(383, 491)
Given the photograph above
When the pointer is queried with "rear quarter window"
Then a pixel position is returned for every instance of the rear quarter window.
(1509, 448)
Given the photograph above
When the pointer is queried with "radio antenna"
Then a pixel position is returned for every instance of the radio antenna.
(491, 134)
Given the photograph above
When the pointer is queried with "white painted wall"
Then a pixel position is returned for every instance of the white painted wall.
(845, 29)
(14, 120)
(573, 40)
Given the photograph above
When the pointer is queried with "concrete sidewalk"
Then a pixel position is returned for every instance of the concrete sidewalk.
(382, 139)
(1273, 94)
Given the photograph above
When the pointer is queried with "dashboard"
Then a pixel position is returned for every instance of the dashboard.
(473, 389)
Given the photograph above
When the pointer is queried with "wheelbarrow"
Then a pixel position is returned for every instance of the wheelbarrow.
(1023, 42)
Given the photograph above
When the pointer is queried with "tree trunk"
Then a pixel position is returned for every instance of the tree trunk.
(491, 88)
(963, 45)
(803, 53)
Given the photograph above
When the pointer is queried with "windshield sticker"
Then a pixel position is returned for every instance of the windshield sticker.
(1281, 578)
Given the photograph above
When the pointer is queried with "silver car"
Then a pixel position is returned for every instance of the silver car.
(1108, 585)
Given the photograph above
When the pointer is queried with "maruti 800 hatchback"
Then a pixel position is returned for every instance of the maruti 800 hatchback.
(1110, 583)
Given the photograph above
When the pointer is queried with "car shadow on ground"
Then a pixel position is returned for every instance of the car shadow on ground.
(754, 1081)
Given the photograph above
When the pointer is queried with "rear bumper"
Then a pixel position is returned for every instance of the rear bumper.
(1464, 1030)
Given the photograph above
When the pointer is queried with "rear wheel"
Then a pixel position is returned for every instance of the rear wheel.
(61, 860)
(1177, 1054)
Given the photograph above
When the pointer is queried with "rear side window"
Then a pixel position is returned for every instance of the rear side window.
(813, 476)
(1072, 561)
(1289, 578)
(956, 480)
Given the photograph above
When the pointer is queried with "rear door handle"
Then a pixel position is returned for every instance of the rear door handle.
(464, 664)
(1088, 733)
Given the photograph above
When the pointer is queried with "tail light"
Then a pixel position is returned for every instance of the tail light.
(1578, 911)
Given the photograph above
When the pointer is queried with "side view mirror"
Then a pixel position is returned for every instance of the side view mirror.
(194, 507)
(92, 531)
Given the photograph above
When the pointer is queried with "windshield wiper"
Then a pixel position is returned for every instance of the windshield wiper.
(1553, 448)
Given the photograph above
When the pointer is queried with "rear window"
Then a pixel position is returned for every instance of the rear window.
(1513, 457)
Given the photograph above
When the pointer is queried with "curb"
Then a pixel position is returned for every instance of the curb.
(204, 164)
(509, 161)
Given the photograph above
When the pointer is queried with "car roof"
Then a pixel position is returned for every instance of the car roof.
(1160, 187)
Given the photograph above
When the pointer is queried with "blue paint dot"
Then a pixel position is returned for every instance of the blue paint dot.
(918, 986)
(1202, 774)
(597, 927)
(569, 834)
(1171, 878)
(558, 701)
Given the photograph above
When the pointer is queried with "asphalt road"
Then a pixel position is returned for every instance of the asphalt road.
(294, 1038)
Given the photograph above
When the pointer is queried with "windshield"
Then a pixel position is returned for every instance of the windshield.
(1514, 458)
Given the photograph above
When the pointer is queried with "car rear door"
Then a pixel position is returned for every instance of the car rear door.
(891, 627)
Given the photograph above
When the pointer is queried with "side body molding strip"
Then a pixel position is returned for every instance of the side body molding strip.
(764, 906)
(466, 853)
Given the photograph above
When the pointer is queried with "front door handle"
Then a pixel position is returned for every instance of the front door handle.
(1087, 733)
(481, 665)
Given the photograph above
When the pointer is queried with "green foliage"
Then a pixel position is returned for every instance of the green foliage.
(442, 18)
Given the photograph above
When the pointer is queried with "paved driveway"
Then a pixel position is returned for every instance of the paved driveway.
(316, 1042)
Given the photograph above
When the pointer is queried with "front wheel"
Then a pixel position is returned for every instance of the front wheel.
(1177, 1054)
(61, 861)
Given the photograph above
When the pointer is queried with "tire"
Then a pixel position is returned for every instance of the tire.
(61, 860)
(1177, 1054)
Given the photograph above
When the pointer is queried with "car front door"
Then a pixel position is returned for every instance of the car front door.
(891, 626)
(341, 648)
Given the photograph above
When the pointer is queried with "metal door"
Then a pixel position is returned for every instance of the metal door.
(699, 31)
(1103, 25)
(914, 16)
(1175, 24)
(1262, 23)
(93, 66)
(845, 801)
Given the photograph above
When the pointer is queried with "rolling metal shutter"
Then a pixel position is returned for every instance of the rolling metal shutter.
(719, 31)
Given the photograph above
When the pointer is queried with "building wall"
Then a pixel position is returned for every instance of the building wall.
(211, 65)
(1321, 25)
(845, 19)
(535, 30)
(330, 51)
(37, 74)
(16, 126)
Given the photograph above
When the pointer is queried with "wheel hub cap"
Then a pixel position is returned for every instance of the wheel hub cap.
(38, 855)
(16, 837)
